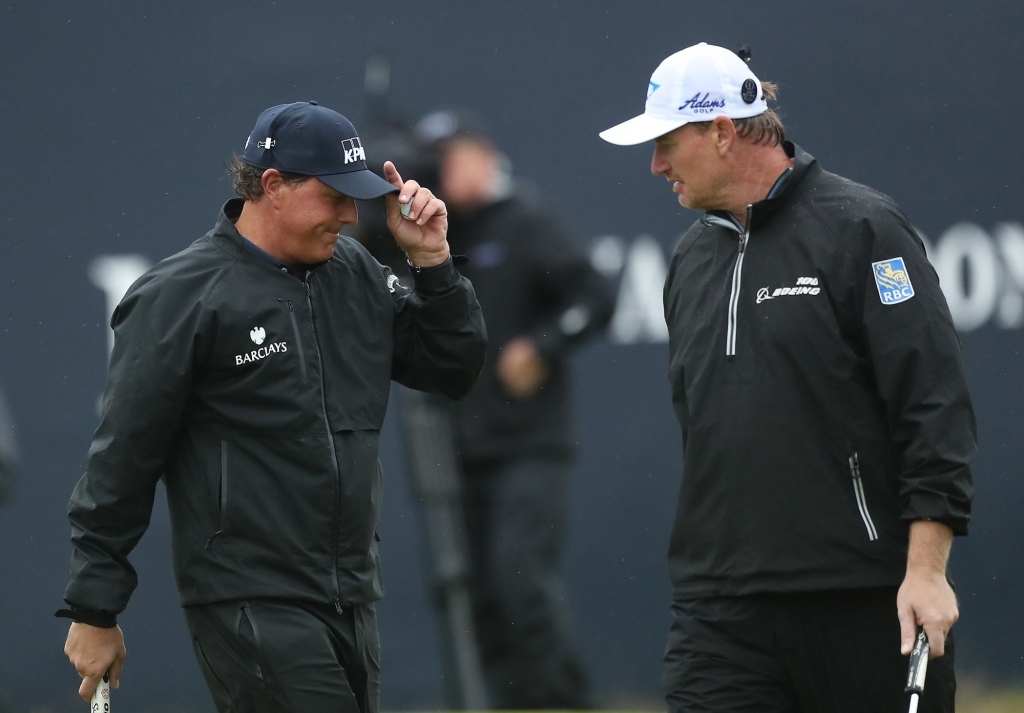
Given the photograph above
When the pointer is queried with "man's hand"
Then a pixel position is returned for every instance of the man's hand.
(521, 368)
(94, 651)
(423, 235)
(925, 597)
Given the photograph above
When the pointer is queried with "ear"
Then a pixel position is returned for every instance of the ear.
(723, 134)
(273, 184)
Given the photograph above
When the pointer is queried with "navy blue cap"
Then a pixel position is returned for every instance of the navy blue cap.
(310, 139)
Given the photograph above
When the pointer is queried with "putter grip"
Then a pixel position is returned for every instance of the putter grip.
(918, 663)
(101, 698)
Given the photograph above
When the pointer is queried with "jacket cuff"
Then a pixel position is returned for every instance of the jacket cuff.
(437, 279)
(549, 342)
(554, 337)
(938, 508)
(957, 524)
(93, 617)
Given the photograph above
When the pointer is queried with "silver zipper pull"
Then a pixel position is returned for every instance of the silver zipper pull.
(309, 296)
(746, 228)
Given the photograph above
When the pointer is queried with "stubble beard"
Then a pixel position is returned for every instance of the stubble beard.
(710, 197)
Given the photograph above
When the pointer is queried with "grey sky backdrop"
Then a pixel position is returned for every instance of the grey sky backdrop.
(116, 119)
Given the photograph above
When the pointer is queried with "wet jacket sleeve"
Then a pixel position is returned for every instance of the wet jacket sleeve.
(440, 337)
(148, 384)
(919, 371)
(577, 302)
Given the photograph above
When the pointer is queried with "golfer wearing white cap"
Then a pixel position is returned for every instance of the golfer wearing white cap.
(827, 427)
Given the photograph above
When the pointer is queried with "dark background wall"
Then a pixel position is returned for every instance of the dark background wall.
(116, 119)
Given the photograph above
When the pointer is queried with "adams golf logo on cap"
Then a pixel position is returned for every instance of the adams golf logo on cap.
(695, 84)
(701, 104)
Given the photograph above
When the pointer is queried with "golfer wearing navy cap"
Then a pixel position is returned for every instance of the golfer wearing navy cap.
(250, 373)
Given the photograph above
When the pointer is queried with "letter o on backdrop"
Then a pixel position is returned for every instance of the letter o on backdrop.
(969, 272)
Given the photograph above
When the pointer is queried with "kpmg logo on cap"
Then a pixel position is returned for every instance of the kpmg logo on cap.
(700, 105)
(353, 150)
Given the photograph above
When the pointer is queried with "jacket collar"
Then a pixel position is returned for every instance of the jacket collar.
(781, 191)
(227, 236)
(224, 232)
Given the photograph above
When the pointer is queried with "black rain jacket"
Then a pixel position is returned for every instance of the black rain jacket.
(534, 280)
(258, 398)
(822, 408)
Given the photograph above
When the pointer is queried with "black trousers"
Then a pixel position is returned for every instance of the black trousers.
(515, 521)
(821, 652)
(278, 656)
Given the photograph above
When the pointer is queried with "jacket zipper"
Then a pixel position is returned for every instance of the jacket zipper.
(734, 295)
(223, 487)
(257, 646)
(298, 340)
(330, 441)
(862, 503)
(222, 497)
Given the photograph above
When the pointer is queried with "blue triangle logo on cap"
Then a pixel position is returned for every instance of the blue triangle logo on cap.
(652, 88)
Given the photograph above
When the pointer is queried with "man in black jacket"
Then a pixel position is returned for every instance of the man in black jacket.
(250, 373)
(827, 427)
(513, 432)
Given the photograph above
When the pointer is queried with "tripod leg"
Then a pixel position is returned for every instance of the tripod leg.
(432, 466)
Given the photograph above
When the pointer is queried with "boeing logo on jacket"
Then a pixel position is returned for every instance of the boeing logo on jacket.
(804, 286)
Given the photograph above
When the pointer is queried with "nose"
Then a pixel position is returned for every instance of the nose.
(658, 163)
(349, 213)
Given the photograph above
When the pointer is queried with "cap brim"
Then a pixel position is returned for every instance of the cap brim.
(361, 185)
(640, 129)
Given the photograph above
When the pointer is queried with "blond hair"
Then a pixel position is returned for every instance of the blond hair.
(765, 128)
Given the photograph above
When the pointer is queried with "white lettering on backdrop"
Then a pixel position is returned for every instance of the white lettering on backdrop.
(981, 274)
(114, 274)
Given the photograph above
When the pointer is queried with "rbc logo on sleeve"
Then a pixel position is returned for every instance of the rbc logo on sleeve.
(893, 281)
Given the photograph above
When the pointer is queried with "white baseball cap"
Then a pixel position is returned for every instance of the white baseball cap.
(695, 84)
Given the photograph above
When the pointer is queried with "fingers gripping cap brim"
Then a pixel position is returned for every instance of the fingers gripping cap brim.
(640, 129)
(361, 185)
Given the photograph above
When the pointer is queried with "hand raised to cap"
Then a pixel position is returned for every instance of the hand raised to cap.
(423, 234)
